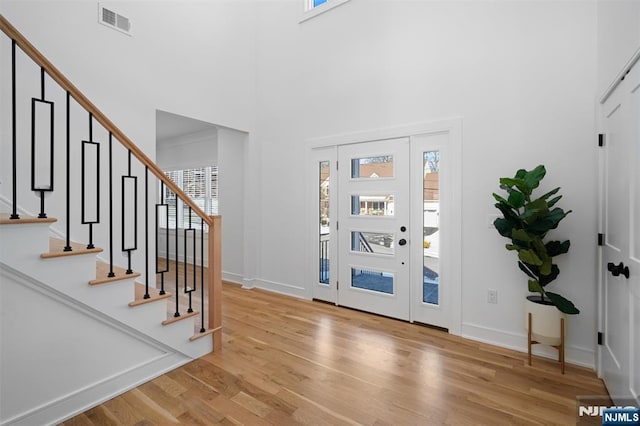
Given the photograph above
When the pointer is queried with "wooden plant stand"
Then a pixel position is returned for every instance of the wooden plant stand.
(559, 347)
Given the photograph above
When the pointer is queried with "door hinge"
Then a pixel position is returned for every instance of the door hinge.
(337, 225)
(336, 164)
(600, 338)
(600, 139)
(337, 285)
(600, 239)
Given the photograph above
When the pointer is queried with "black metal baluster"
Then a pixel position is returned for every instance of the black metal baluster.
(111, 274)
(90, 245)
(85, 146)
(177, 313)
(67, 247)
(189, 231)
(159, 207)
(14, 157)
(202, 329)
(146, 232)
(133, 180)
(48, 187)
(42, 214)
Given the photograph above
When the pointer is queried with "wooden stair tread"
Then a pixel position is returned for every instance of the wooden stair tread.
(154, 295)
(5, 219)
(180, 318)
(56, 249)
(102, 272)
(203, 334)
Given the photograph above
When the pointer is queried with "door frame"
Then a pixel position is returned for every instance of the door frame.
(325, 148)
(633, 61)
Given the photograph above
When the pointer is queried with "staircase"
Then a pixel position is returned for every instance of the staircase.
(79, 324)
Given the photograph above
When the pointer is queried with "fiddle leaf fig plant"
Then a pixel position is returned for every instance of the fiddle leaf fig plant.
(526, 220)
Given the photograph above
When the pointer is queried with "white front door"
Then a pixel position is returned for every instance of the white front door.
(621, 252)
(373, 230)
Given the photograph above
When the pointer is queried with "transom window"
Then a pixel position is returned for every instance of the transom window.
(314, 8)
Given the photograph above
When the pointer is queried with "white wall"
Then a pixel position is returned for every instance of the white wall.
(618, 38)
(522, 76)
(189, 151)
(232, 178)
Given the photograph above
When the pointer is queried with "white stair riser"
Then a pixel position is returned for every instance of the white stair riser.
(20, 243)
(62, 273)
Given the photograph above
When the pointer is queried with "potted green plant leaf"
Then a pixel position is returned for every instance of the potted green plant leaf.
(526, 220)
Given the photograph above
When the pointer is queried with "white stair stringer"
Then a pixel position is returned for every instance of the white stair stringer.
(70, 275)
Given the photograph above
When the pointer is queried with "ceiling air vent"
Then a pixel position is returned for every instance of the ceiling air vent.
(114, 20)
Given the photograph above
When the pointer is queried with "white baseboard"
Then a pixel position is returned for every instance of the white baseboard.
(281, 288)
(84, 399)
(232, 277)
(248, 283)
(518, 342)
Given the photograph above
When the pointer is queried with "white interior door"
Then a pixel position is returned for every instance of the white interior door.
(373, 230)
(621, 253)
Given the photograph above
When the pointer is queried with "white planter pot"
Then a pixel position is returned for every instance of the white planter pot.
(545, 321)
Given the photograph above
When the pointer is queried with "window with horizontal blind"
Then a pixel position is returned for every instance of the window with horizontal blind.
(201, 185)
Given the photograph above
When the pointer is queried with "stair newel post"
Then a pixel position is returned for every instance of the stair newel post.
(111, 274)
(67, 246)
(214, 278)
(146, 232)
(14, 134)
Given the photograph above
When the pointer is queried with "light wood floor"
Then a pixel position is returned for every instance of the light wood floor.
(286, 361)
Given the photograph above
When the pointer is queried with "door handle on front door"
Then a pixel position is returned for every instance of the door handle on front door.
(616, 270)
(402, 242)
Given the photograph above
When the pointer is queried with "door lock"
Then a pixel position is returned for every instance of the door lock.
(402, 242)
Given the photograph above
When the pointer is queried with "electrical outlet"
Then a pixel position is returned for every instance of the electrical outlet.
(492, 296)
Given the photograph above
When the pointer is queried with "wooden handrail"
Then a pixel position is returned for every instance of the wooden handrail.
(82, 100)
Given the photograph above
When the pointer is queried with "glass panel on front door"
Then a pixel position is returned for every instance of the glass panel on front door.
(372, 280)
(372, 205)
(372, 167)
(372, 242)
(324, 229)
(431, 227)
